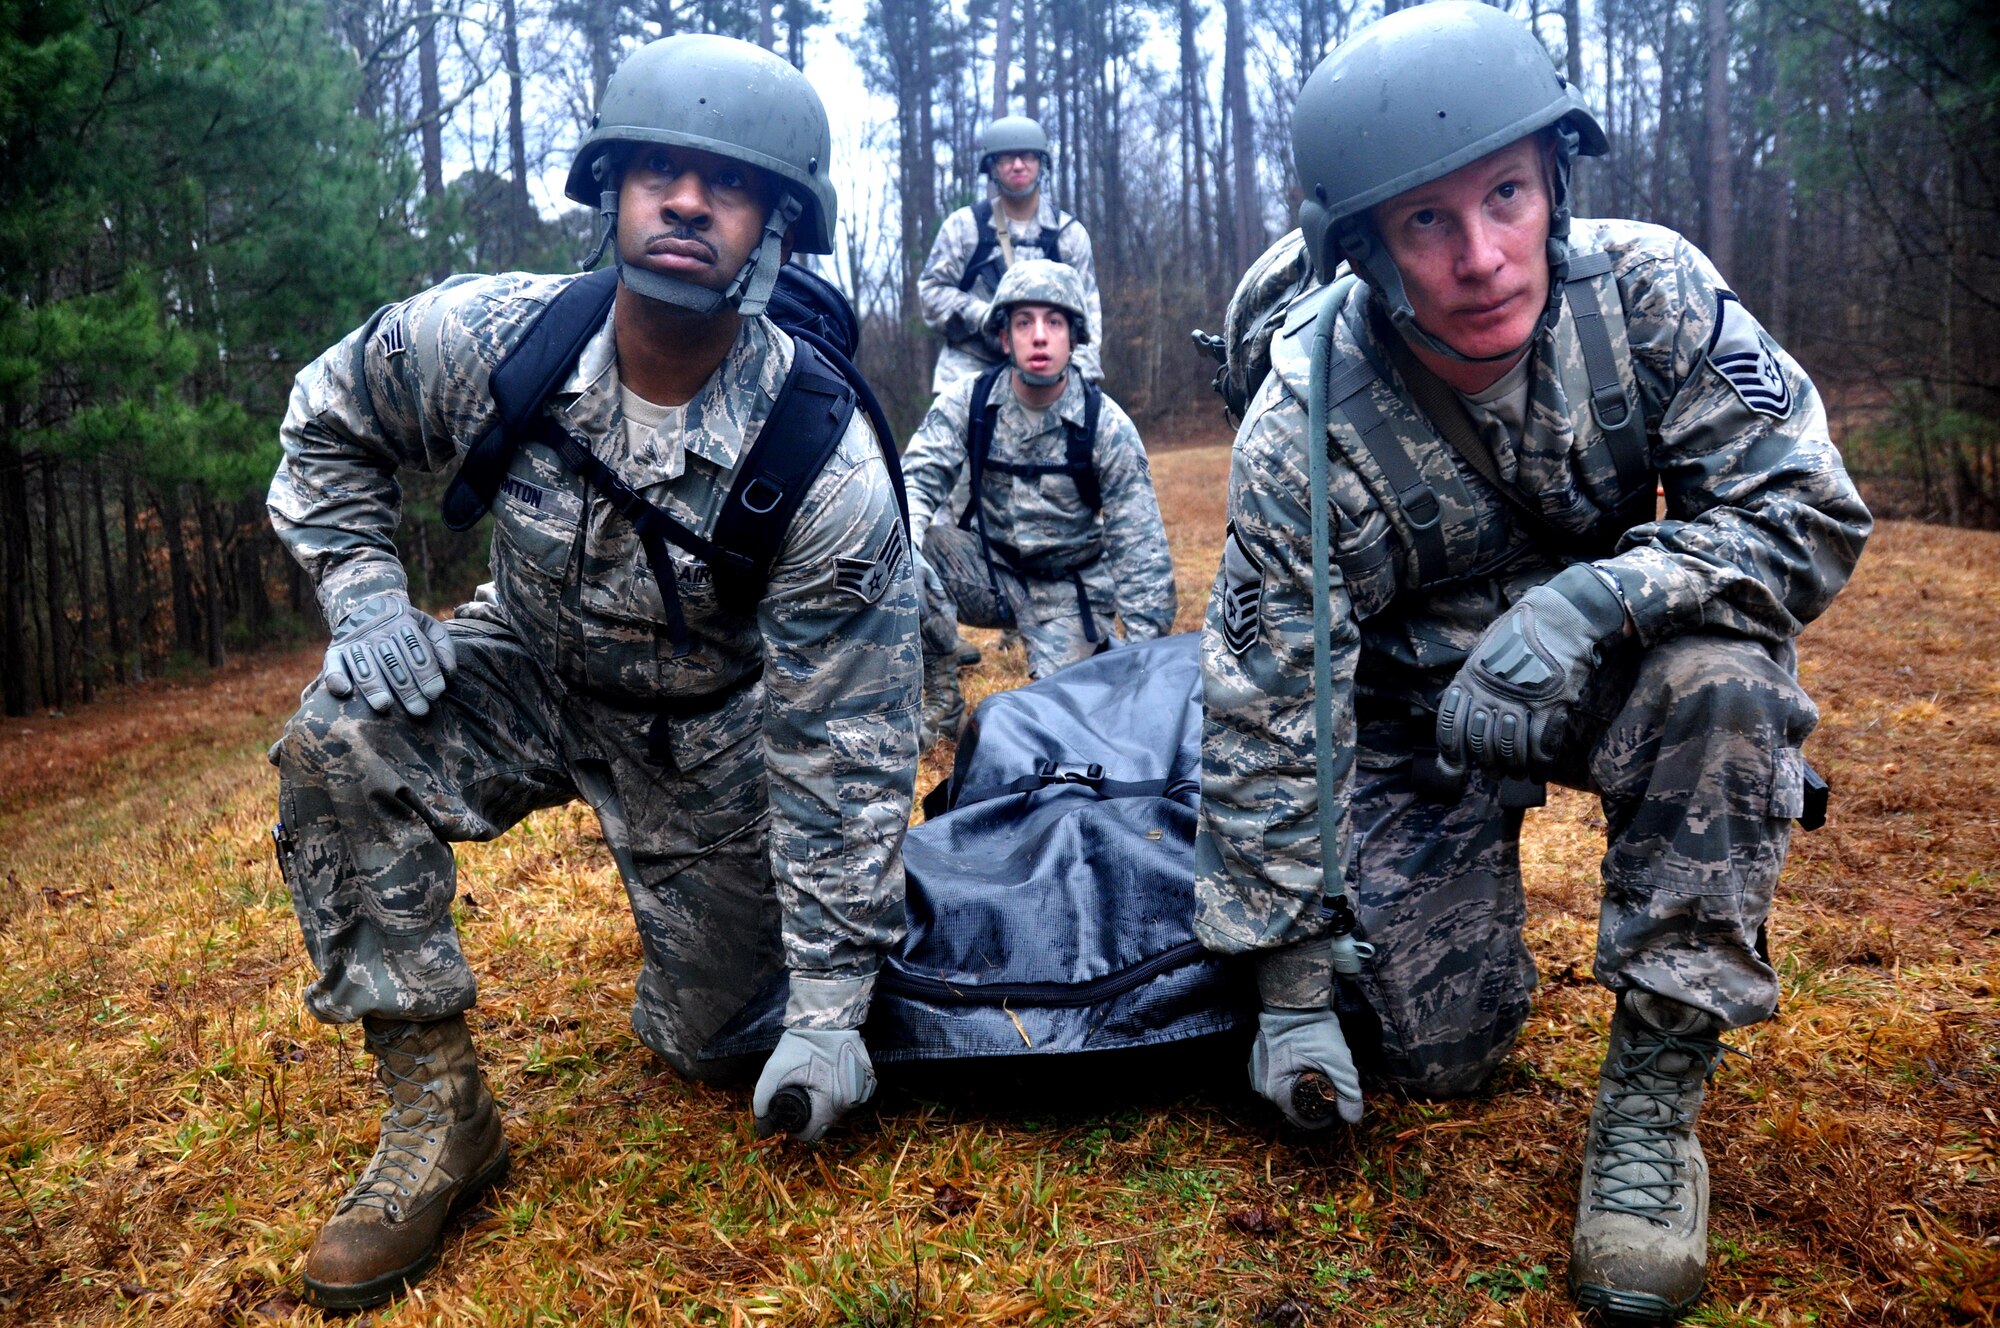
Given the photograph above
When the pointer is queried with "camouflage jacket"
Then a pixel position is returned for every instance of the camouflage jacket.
(1122, 550)
(1762, 528)
(956, 315)
(828, 666)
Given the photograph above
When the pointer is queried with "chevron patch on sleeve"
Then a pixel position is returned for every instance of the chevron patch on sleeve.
(1242, 595)
(867, 578)
(1746, 357)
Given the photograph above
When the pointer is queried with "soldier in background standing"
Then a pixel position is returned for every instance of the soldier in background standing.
(974, 249)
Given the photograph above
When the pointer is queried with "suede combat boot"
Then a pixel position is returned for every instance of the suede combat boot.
(441, 1146)
(1640, 1252)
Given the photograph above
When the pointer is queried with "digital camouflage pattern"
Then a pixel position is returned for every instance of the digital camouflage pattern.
(958, 316)
(789, 735)
(1119, 554)
(1762, 528)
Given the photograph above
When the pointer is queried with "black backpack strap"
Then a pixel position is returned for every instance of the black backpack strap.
(1081, 456)
(520, 383)
(1618, 416)
(978, 442)
(1348, 396)
(982, 252)
(805, 426)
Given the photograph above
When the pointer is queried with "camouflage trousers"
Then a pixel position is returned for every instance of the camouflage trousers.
(370, 805)
(1060, 621)
(1693, 747)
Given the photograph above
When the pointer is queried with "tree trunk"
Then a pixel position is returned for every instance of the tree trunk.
(1719, 198)
(1573, 38)
(1003, 55)
(1249, 223)
(664, 16)
(187, 633)
(602, 39)
(431, 109)
(767, 25)
(138, 587)
(79, 556)
(517, 139)
(52, 586)
(1662, 131)
(211, 579)
(113, 614)
(1031, 59)
(251, 593)
(14, 550)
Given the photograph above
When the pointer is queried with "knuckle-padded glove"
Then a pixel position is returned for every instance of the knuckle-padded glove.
(1297, 1055)
(831, 1067)
(391, 653)
(1508, 708)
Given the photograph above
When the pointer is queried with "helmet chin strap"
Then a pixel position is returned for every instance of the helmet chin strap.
(1026, 191)
(749, 292)
(1371, 259)
(1033, 379)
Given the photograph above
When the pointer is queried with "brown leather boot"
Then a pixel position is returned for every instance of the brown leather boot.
(441, 1146)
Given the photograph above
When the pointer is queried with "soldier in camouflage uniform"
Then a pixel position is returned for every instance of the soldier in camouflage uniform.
(1509, 618)
(753, 784)
(1035, 552)
(959, 278)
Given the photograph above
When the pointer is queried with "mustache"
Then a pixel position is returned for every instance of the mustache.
(682, 233)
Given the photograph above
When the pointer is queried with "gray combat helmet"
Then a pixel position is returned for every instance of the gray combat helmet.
(1014, 133)
(1040, 281)
(733, 99)
(1409, 99)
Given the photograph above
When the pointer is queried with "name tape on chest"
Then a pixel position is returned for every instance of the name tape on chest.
(1744, 354)
(867, 578)
(1242, 595)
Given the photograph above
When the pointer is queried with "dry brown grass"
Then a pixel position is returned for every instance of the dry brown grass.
(173, 1128)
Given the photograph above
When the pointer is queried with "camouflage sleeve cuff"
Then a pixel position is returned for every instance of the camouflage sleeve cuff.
(828, 1002)
(1662, 600)
(359, 578)
(1297, 976)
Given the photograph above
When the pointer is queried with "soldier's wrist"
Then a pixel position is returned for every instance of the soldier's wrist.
(1297, 976)
(356, 581)
(829, 1000)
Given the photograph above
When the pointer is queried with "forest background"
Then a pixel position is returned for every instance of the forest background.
(198, 196)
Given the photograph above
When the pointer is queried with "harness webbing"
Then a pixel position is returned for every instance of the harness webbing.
(986, 251)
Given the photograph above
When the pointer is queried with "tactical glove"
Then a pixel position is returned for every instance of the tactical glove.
(1507, 709)
(391, 654)
(1294, 1044)
(829, 1065)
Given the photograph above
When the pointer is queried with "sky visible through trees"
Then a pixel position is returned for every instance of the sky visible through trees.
(197, 196)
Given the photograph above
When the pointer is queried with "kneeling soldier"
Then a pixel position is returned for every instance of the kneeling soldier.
(1031, 500)
(1478, 594)
(747, 740)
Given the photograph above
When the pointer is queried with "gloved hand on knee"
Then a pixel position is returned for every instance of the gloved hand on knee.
(390, 652)
(1507, 709)
(1298, 1053)
(828, 1066)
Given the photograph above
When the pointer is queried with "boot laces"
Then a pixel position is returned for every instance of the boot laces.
(1641, 1126)
(404, 1152)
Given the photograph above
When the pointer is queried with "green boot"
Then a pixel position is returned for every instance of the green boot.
(441, 1146)
(1640, 1252)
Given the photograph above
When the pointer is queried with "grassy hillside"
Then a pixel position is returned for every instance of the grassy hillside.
(173, 1128)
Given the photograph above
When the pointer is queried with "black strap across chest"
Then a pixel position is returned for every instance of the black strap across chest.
(1079, 445)
(986, 258)
(807, 421)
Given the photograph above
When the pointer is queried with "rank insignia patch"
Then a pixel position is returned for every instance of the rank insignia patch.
(1746, 357)
(390, 335)
(867, 578)
(1242, 595)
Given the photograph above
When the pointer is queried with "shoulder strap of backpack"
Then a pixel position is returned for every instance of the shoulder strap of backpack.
(979, 442)
(1347, 394)
(982, 252)
(1082, 443)
(1622, 422)
(806, 424)
(521, 383)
